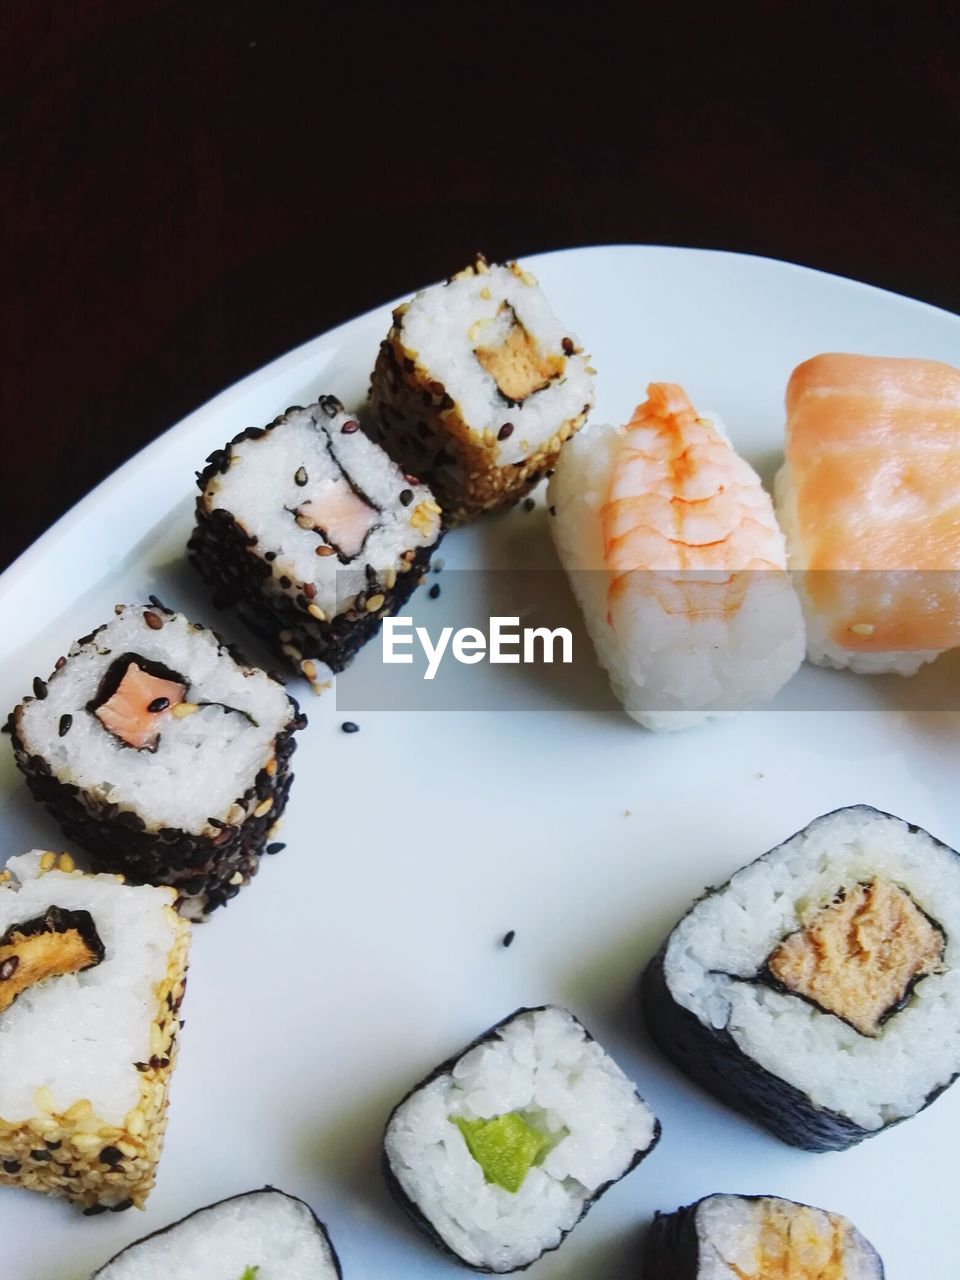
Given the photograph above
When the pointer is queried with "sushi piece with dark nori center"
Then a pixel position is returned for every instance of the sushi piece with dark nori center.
(313, 534)
(817, 990)
(261, 1235)
(729, 1237)
(501, 1151)
(161, 752)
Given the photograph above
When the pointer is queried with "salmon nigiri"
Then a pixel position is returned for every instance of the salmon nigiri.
(869, 498)
(679, 566)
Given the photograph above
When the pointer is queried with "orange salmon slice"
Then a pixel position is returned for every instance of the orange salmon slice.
(873, 452)
(341, 516)
(141, 703)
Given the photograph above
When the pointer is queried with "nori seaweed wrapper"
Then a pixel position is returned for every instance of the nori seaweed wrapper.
(712, 1058)
(413, 1210)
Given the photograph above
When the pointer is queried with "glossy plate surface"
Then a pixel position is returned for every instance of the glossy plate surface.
(370, 949)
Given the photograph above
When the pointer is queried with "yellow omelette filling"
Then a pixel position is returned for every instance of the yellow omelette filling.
(860, 956)
(792, 1244)
(518, 365)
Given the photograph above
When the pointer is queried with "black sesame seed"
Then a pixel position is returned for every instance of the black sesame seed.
(529, 504)
(40, 1156)
(350, 427)
(277, 847)
(39, 688)
(509, 936)
(348, 726)
(300, 477)
(111, 1156)
(406, 497)
(122, 1207)
(553, 511)
(434, 591)
(64, 726)
(11, 1166)
(285, 583)
(506, 431)
(269, 555)
(568, 347)
(157, 705)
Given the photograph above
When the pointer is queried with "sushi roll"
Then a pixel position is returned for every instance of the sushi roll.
(313, 534)
(818, 991)
(262, 1235)
(725, 1237)
(677, 563)
(477, 386)
(869, 498)
(92, 972)
(161, 753)
(503, 1149)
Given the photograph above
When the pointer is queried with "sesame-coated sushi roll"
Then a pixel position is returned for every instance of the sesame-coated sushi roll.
(161, 752)
(262, 1235)
(477, 386)
(727, 1237)
(503, 1149)
(818, 991)
(92, 972)
(313, 533)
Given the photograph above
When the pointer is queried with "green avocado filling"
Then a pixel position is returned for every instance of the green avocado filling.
(506, 1148)
(251, 1273)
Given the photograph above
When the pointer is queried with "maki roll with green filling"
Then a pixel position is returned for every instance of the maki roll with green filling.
(725, 1237)
(477, 386)
(92, 972)
(262, 1235)
(162, 753)
(818, 991)
(313, 534)
(504, 1148)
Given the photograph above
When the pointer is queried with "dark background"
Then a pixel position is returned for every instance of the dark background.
(192, 188)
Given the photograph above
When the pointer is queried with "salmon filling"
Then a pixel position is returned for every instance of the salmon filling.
(139, 704)
(341, 517)
(517, 364)
(796, 1244)
(56, 943)
(860, 956)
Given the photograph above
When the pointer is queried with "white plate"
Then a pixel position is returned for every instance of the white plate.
(369, 950)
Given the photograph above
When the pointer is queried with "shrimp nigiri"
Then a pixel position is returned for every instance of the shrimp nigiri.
(869, 497)
(678, 563)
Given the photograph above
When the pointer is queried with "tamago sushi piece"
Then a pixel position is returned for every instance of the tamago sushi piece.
(313, 534)
(869, 498)
(162, 753)
(818, 991)
(728, 1237)
(92, 972)
(262, 1235)
(503, 1149)
(477, 386)
(676, 560)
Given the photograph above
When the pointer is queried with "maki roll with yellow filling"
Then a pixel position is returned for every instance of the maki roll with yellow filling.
(818, 991)
(162, 753)
(92, 972)
(477, 386)
(505, 1147)
(313, 534)
(262, 1235)
(726, 1237)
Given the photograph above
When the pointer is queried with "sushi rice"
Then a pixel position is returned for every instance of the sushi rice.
(541, 1070)
(86, 1056)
